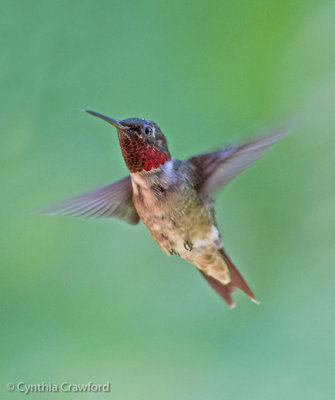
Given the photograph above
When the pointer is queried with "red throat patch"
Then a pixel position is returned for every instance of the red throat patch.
(141, 157)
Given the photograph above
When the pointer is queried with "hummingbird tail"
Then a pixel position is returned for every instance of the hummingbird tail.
(225, 291)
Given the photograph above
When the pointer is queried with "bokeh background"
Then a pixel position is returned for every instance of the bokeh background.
(97, 300)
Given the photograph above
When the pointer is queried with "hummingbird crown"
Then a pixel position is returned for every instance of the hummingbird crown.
(143, 145)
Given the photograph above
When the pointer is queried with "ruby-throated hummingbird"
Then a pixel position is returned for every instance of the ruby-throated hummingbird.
(172, 197)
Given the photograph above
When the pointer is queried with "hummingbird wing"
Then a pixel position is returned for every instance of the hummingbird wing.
(216, 169)
(115, 200)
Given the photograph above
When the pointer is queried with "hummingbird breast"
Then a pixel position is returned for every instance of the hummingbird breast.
(178, 219)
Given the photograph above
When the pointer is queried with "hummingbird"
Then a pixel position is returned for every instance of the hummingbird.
(172, 197)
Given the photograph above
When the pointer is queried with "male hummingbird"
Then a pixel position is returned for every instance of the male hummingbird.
(172, 197)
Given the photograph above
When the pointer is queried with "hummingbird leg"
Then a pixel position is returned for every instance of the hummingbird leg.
(173, 252)
(188, 245)
(169, 245)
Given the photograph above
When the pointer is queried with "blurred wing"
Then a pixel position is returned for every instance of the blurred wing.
(215, 170)
(114, 200)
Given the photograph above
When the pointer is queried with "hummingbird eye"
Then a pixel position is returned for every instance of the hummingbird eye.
(148, 130)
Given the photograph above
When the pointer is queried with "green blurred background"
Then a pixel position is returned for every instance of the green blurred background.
(97, 300)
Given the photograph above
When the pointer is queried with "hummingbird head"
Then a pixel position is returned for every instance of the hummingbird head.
(143, 145)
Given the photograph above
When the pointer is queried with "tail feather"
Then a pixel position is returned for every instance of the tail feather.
(225, 291)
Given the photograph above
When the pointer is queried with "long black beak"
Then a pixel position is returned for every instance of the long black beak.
(111, 121)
